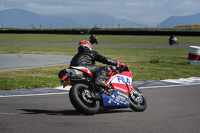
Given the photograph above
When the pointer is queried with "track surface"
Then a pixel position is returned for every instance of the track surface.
(174, 109)
(22, 61)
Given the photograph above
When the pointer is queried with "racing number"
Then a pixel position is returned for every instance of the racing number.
(122, 80)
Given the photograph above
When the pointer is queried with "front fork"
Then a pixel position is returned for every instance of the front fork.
(135, 95)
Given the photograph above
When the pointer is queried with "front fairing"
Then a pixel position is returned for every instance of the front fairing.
(122, 83)
(118, 98)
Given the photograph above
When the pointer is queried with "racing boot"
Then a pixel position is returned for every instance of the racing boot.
(105, 88)
(110, 91)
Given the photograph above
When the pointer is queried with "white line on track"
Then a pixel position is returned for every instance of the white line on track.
(3, 113)
(167, 86)
(28, 95)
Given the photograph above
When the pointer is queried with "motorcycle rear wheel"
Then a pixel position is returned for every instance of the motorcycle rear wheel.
(81, 98)
(138, 101)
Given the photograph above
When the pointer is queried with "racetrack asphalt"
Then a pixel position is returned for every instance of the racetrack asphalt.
(170, 110)
(23, 61)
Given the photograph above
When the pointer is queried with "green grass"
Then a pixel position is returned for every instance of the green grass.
(145, 63)
(54, 38)
(30, 78)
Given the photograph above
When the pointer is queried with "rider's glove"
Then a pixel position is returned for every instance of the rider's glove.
(120, 65)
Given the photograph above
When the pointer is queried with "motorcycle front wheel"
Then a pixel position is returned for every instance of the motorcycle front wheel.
(138, 101)
(81, 98)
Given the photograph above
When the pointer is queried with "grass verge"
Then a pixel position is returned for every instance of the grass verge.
(57, 38)
(145, 63)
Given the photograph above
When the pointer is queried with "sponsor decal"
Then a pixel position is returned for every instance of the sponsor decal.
(117, 99)
(122, 94)
(121, 89)
(123, 79)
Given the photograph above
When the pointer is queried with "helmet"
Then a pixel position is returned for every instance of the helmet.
(85, 43)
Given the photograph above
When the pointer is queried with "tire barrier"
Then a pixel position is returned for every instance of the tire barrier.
(194, 55)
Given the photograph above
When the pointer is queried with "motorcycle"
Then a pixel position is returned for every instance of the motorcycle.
(93, 40)
(87, 98)
(173, 41)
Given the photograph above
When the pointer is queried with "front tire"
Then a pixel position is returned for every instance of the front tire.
(138, 101)
(81, 98)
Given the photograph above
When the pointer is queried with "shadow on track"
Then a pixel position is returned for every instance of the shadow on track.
(70, 112)
(50, 112)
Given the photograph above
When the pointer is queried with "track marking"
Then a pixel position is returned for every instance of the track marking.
(180, 82)
(3, 113)
(28, 95)
(167, 86)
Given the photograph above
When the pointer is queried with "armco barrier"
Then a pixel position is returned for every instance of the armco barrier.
(157, 33)
(103, 32)
(194, 55)
(21, 31)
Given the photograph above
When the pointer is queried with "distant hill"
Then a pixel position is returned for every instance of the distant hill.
(19, 18)
(102, 20)
(194, 26)
(180, 20)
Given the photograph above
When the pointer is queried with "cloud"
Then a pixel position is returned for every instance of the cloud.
(2, 7)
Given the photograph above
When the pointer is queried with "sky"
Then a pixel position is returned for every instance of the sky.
(142, 11)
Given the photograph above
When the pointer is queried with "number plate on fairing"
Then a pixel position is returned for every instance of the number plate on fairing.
(120, 79)
(118, 98)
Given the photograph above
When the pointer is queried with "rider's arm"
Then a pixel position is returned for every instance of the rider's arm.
(108, 61)
(100, 58)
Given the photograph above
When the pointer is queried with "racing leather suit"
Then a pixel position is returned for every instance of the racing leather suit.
(87, 58)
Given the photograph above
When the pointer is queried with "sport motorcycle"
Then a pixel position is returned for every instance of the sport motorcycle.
(94, 40)
(173, 42)
(87, 98)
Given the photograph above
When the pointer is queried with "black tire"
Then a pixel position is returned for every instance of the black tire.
(138, 106)
(80, 101)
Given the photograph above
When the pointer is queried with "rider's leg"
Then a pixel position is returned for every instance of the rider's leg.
(100, 73)
(100, 80)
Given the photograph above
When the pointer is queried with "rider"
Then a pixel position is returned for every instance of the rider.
(86, 57)
(93, 39)
(173, 39)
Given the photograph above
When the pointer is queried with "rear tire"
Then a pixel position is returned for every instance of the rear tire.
(82, 101)
(138, 103)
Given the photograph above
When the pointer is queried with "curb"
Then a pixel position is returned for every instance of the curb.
(139, 84)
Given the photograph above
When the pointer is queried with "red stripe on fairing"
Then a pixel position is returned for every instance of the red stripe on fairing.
(120, 87)
(87, 71)
(193, 56)
(64, 77)
(90, 74)
(110, 76)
